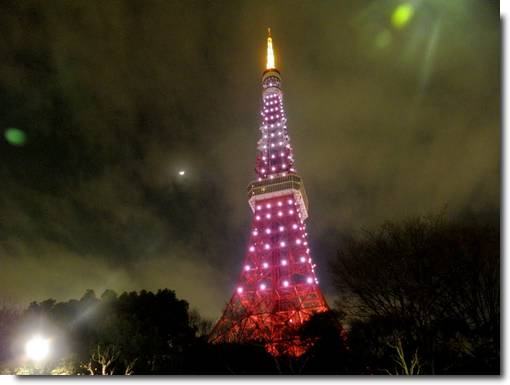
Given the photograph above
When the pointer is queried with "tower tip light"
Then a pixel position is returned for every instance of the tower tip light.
(270, 63)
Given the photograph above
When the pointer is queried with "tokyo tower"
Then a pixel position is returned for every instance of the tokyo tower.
(278, 289)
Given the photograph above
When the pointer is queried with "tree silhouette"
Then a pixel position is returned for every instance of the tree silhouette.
(432, 281)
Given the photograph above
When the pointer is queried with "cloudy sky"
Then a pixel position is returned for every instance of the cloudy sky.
(115, 97)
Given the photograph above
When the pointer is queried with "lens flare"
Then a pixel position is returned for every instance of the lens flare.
(402, 15)
(15, 136)
(37, 348)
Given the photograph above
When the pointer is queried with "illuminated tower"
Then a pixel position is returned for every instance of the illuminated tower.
(278, 289)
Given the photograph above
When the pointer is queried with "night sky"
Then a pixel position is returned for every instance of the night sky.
(115, 97)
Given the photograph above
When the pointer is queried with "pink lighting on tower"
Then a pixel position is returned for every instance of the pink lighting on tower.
(275, 271)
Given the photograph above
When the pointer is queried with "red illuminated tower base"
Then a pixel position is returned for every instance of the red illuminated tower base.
(278, 289)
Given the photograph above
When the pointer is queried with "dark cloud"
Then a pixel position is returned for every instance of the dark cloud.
(116, 97)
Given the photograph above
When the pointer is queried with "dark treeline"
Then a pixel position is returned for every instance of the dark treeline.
(419, 297)
(423, 296)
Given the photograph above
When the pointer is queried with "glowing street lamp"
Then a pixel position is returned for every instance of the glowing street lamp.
(37, 348)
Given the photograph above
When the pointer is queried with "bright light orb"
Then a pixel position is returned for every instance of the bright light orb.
(37, 348)
(182, 172)
(402, 15)
(15, 136)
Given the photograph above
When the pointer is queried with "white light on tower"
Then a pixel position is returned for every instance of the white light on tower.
(37, 348)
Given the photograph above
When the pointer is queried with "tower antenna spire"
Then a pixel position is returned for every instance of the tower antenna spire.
(270, 62)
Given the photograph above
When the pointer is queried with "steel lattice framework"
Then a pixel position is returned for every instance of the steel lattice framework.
(278, 289)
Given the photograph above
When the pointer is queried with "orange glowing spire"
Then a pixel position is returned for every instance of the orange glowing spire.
(270, 63)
